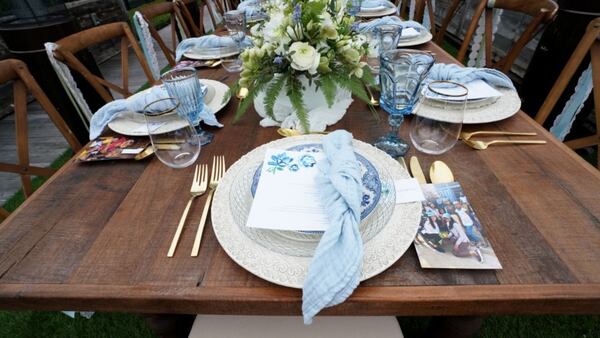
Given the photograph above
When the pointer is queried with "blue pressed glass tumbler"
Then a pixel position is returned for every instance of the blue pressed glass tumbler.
(183, 84)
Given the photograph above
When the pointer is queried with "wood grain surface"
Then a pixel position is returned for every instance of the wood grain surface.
(95, 236)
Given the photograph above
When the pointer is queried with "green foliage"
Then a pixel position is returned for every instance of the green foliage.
(294, 92)
(329, 89)
(258, 85)
(271, 94)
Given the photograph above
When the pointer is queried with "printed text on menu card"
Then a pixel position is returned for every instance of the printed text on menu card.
(287, 196)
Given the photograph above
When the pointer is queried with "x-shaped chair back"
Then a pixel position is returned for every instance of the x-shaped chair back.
(23, 83)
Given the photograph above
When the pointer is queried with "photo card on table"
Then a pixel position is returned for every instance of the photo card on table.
(450, 235)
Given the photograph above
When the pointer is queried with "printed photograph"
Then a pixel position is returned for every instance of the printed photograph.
(450, 235)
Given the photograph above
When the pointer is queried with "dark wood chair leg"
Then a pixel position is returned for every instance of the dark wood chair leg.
(170, 325)
(454, 327)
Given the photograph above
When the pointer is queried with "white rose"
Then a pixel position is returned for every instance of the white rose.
(304, 57)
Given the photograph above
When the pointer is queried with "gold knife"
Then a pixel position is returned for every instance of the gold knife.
(417, 172)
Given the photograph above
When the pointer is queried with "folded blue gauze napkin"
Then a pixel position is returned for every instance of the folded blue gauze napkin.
(453, 72)
(136, 103)
(365, 27)
(250, 8)
(336, 267)
(207, 41)
(374, 3)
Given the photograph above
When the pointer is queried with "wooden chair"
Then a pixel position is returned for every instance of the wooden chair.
(220, 7)
(72, 44)
(419, 11)
(589, 43)
(16, 71)
(542, 12)
(177, 19)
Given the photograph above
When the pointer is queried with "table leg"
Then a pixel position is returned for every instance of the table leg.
(170, 325)
(456, 327)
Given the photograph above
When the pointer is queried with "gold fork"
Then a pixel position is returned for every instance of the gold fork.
(466, 136)
(218, 170)
(198, 188)
(480, 145)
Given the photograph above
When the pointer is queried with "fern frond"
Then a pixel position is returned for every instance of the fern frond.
(271, 94)
(294, 92)
(256, 87)
(329, 89)
(231, 92)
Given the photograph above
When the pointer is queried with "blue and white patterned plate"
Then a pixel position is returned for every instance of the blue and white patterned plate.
(370, 179)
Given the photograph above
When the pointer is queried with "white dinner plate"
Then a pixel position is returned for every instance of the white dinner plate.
(388, 9)
(133, 124)
(283, 257)
(422, 38)
(483, 111)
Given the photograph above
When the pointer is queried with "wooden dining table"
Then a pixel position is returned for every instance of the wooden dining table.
(95, 236)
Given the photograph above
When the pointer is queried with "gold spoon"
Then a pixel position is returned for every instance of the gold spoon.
(465, 136)
(439, 172)
(480, 145)
(287, 132)
(216, 63)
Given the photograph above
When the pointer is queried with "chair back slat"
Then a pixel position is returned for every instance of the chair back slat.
(23, 83)
(542, 12)
(70, 45)
(589, 43)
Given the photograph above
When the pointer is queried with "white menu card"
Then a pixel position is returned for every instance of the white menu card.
(287, 196)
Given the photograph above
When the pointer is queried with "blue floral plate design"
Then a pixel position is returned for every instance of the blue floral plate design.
(370, 179)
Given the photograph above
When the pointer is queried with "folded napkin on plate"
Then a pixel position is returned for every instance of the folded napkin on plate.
(207, 41)
(251, 8)
(336, 267)
(375, 4)
(365, 27)
(454, 72)
(136, 103)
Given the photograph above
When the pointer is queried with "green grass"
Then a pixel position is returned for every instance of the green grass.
(520, 326)
(16, 324)
(159, 21)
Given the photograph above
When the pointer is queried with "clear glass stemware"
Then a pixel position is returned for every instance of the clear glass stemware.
(434, 133)
(174, 139)
(235, 22)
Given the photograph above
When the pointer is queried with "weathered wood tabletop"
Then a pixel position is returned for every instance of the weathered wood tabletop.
(95, 236)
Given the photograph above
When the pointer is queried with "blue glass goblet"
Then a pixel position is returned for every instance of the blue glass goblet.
(400, 75)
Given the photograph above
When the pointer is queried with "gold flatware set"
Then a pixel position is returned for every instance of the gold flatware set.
(200, 184)
(481, 145)
(439, 172)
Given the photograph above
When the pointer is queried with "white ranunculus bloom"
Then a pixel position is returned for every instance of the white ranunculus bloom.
(304, 57)
(273, 29)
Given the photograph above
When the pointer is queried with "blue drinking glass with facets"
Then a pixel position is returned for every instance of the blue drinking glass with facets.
(401, 73)
(183, 84)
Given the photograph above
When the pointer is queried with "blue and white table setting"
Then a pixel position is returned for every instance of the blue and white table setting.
(413, 33)
(209, 47)
(291, 207)
(376, 8)
(492, 95)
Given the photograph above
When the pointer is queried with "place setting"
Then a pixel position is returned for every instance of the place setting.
(291, 209)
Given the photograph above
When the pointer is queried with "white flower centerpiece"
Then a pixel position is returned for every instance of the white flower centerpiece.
(304, 65)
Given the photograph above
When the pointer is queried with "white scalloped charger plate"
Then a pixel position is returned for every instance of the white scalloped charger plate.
(484, 111)
(381, 250)
(389, 10)
(133, 124)
(424, 37)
